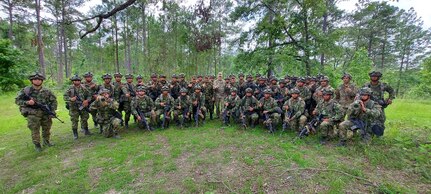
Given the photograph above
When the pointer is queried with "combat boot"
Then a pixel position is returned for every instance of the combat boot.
(100, 130)
(37, 147)
(87, 132)
(75, 134)
(211, 116)
(47, 143)
(323, 140)
(126, 124)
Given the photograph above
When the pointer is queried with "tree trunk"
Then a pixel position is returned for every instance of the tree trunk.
(306, 45)
(63, 35)
(370, 44)
(60, 69)
(400, 73)
(10, 11)
(384, 49)
(117, 63)
(270, 70)
(325, 32)
(39, 39)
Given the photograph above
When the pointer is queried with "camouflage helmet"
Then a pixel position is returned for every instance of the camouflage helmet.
(248, 90)
(75, 78)
(294, 91)
(324, 78)
(233, 89)
(199, 76)
(104, 91)
(212, 77)
(226, 78)
(262, 79)
(174, 75)
(287, 77)
(375, 74)
(107, 76)
(165, 88)
(282, 81)
(293, 78)
(88, 74)
(365, 91)
(258, 75)
(153, 75)
(141, 89)
(139, 77)
(273, 79)
(267, 91)
(327, 91)
(346, 75)
(182, 75)
(241, 75)
(249, 76)
(301, 79)
(183, 90)
(118, 74)
(129, 76)
(36, 75)
(307, 77)
(162, 76)
(198, 87)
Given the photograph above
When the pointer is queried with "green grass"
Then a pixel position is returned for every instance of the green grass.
(212, 159)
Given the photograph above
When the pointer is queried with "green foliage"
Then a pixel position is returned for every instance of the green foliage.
(359, 67)
(12, 68)
(423, 85)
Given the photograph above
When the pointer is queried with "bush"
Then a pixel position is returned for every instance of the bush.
(13, 67)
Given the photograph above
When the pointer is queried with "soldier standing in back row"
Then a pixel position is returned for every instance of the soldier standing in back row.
(130, 89)
(209, 95)
(152, 87)
(324, 84)
(218, 87)
(27, 99)
(378, 95)
(93, 88)
(346, 92)
(77, 99)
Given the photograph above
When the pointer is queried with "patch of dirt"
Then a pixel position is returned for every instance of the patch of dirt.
(94, 174)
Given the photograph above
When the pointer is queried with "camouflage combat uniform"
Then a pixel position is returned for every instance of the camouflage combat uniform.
(345, 93)
(355, 115)
(209, 97)
(270, 105)
(329, 110)
(36, 118)
(200, 99)
(93, 88)
(247, 103)
(183, 106)
(146, 105)
(233, 109)
(296, 107)
(106, 109)
(218, 87)
(160, 110)
(76, 108)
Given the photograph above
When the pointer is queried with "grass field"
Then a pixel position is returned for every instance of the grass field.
(215, 160)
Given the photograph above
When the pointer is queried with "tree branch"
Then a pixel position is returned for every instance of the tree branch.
(101, 17)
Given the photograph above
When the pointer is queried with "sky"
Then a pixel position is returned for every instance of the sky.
(422, 7)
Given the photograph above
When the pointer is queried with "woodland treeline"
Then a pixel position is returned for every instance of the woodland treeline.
(272, 37)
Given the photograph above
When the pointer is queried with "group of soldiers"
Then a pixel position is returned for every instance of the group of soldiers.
(305, 105)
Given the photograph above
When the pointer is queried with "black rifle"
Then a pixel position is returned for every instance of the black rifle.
(132, 92)
(44, 107)
(196, 115)
(143, 120)
(268, 122)
(80, 103)
(242, 118)
(311, 126)
(225, 115)
(165, 114)
(289, 116)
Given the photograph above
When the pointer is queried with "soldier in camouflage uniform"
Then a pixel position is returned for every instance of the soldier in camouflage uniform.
(209, 96)
(218, 86)
(164, 104)
(361, 115)
(260, 88)
(227, 87)
(106, 108)
(107, 84)
(144, 104)
(295, 106)
(250, 105)
(276, 93)
(198, 100)
(182, 82)
(231, 107)
(140, 81)
(249, 83)
(269, 107)
(93, 88)
(331, 114)
(36, 118)
(241, 85)
(174, 86)
(378, 95)
(324, 84)
(345, 93)
(304, 93)
(130, 89)
(77, 98)
(182, 107)
(152, 87)
(121, 94)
